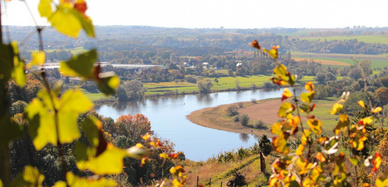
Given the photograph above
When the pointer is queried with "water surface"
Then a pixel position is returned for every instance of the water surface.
(168, 120)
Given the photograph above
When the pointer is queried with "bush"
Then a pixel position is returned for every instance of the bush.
(232, 110)
(244, 120)
(260, 125)
(191, 80)
(240, 105)
(236, 118)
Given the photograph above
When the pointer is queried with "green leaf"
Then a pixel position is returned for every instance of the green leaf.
(42, 117)
(81, 65)
(8, 130)
(42, 125)
(90, 127)
(65, 21)
(109, 162)
(72, 103)
(285, 109)
(6, 62)
(81, 151)
(87, 24)
(30, 177)
(44, 8)
(18, 72)
(307, 97)
(342, 123)
(108, 83)
(75, 181)
(354, 161)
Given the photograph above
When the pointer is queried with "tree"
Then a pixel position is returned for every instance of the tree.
(320, 78)
(381, 95)
(265, 145)
(205, 86)
(355, 73)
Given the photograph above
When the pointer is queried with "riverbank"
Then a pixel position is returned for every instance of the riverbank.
(216, 117)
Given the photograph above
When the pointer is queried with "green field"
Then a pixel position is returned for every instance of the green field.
(346, 58)
(224, 83)
(374, 39)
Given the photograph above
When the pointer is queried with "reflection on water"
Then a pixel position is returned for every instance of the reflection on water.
(168, 119)
(244, 137)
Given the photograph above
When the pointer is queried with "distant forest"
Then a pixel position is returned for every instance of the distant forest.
(126, 42)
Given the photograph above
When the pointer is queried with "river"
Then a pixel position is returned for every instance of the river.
(168, 120)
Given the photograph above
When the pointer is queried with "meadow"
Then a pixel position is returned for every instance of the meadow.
(364, 38)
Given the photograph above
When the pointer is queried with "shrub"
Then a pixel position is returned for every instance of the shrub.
(260, 125)
(232, 110)
(244, 120)
(236, 118)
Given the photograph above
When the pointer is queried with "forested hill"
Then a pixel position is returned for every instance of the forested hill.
(198, 42)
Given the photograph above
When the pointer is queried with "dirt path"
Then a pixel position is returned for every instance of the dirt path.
(266, 111)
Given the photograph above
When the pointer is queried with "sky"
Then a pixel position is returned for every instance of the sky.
(220, 13)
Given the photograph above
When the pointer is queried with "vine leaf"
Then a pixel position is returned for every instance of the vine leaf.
(272, 52)
(75, 181)
(286, 94)
(41, 112)
(109, 162)
(307, 97)
(336, 108)
(18, 72)
(37, 59)
(9, 130)
(29, 177)
(81, 65)
(108, 82)
(342, 123)
(66, 19)
(285, 110)
(44, 8)
(6, 61)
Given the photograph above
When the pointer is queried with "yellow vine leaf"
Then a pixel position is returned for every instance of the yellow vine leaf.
(300, 150)
(272, 52)
(110, 162)
(336, 108)
(43, 126)
(277, 129)
(18, 73)
(377, 110)
(315, 125)
(65, 20)
(72, 103)
(280, 145)
(305, 135)
(307, 97)
(309, 86)
(37, 59)
(286, 94)
(376, 162)
(381, 183)
(75, 181)
(342, 123)
(285, 110)
(361, 103)
(29, 177)
(320, 157)
(44, 8)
